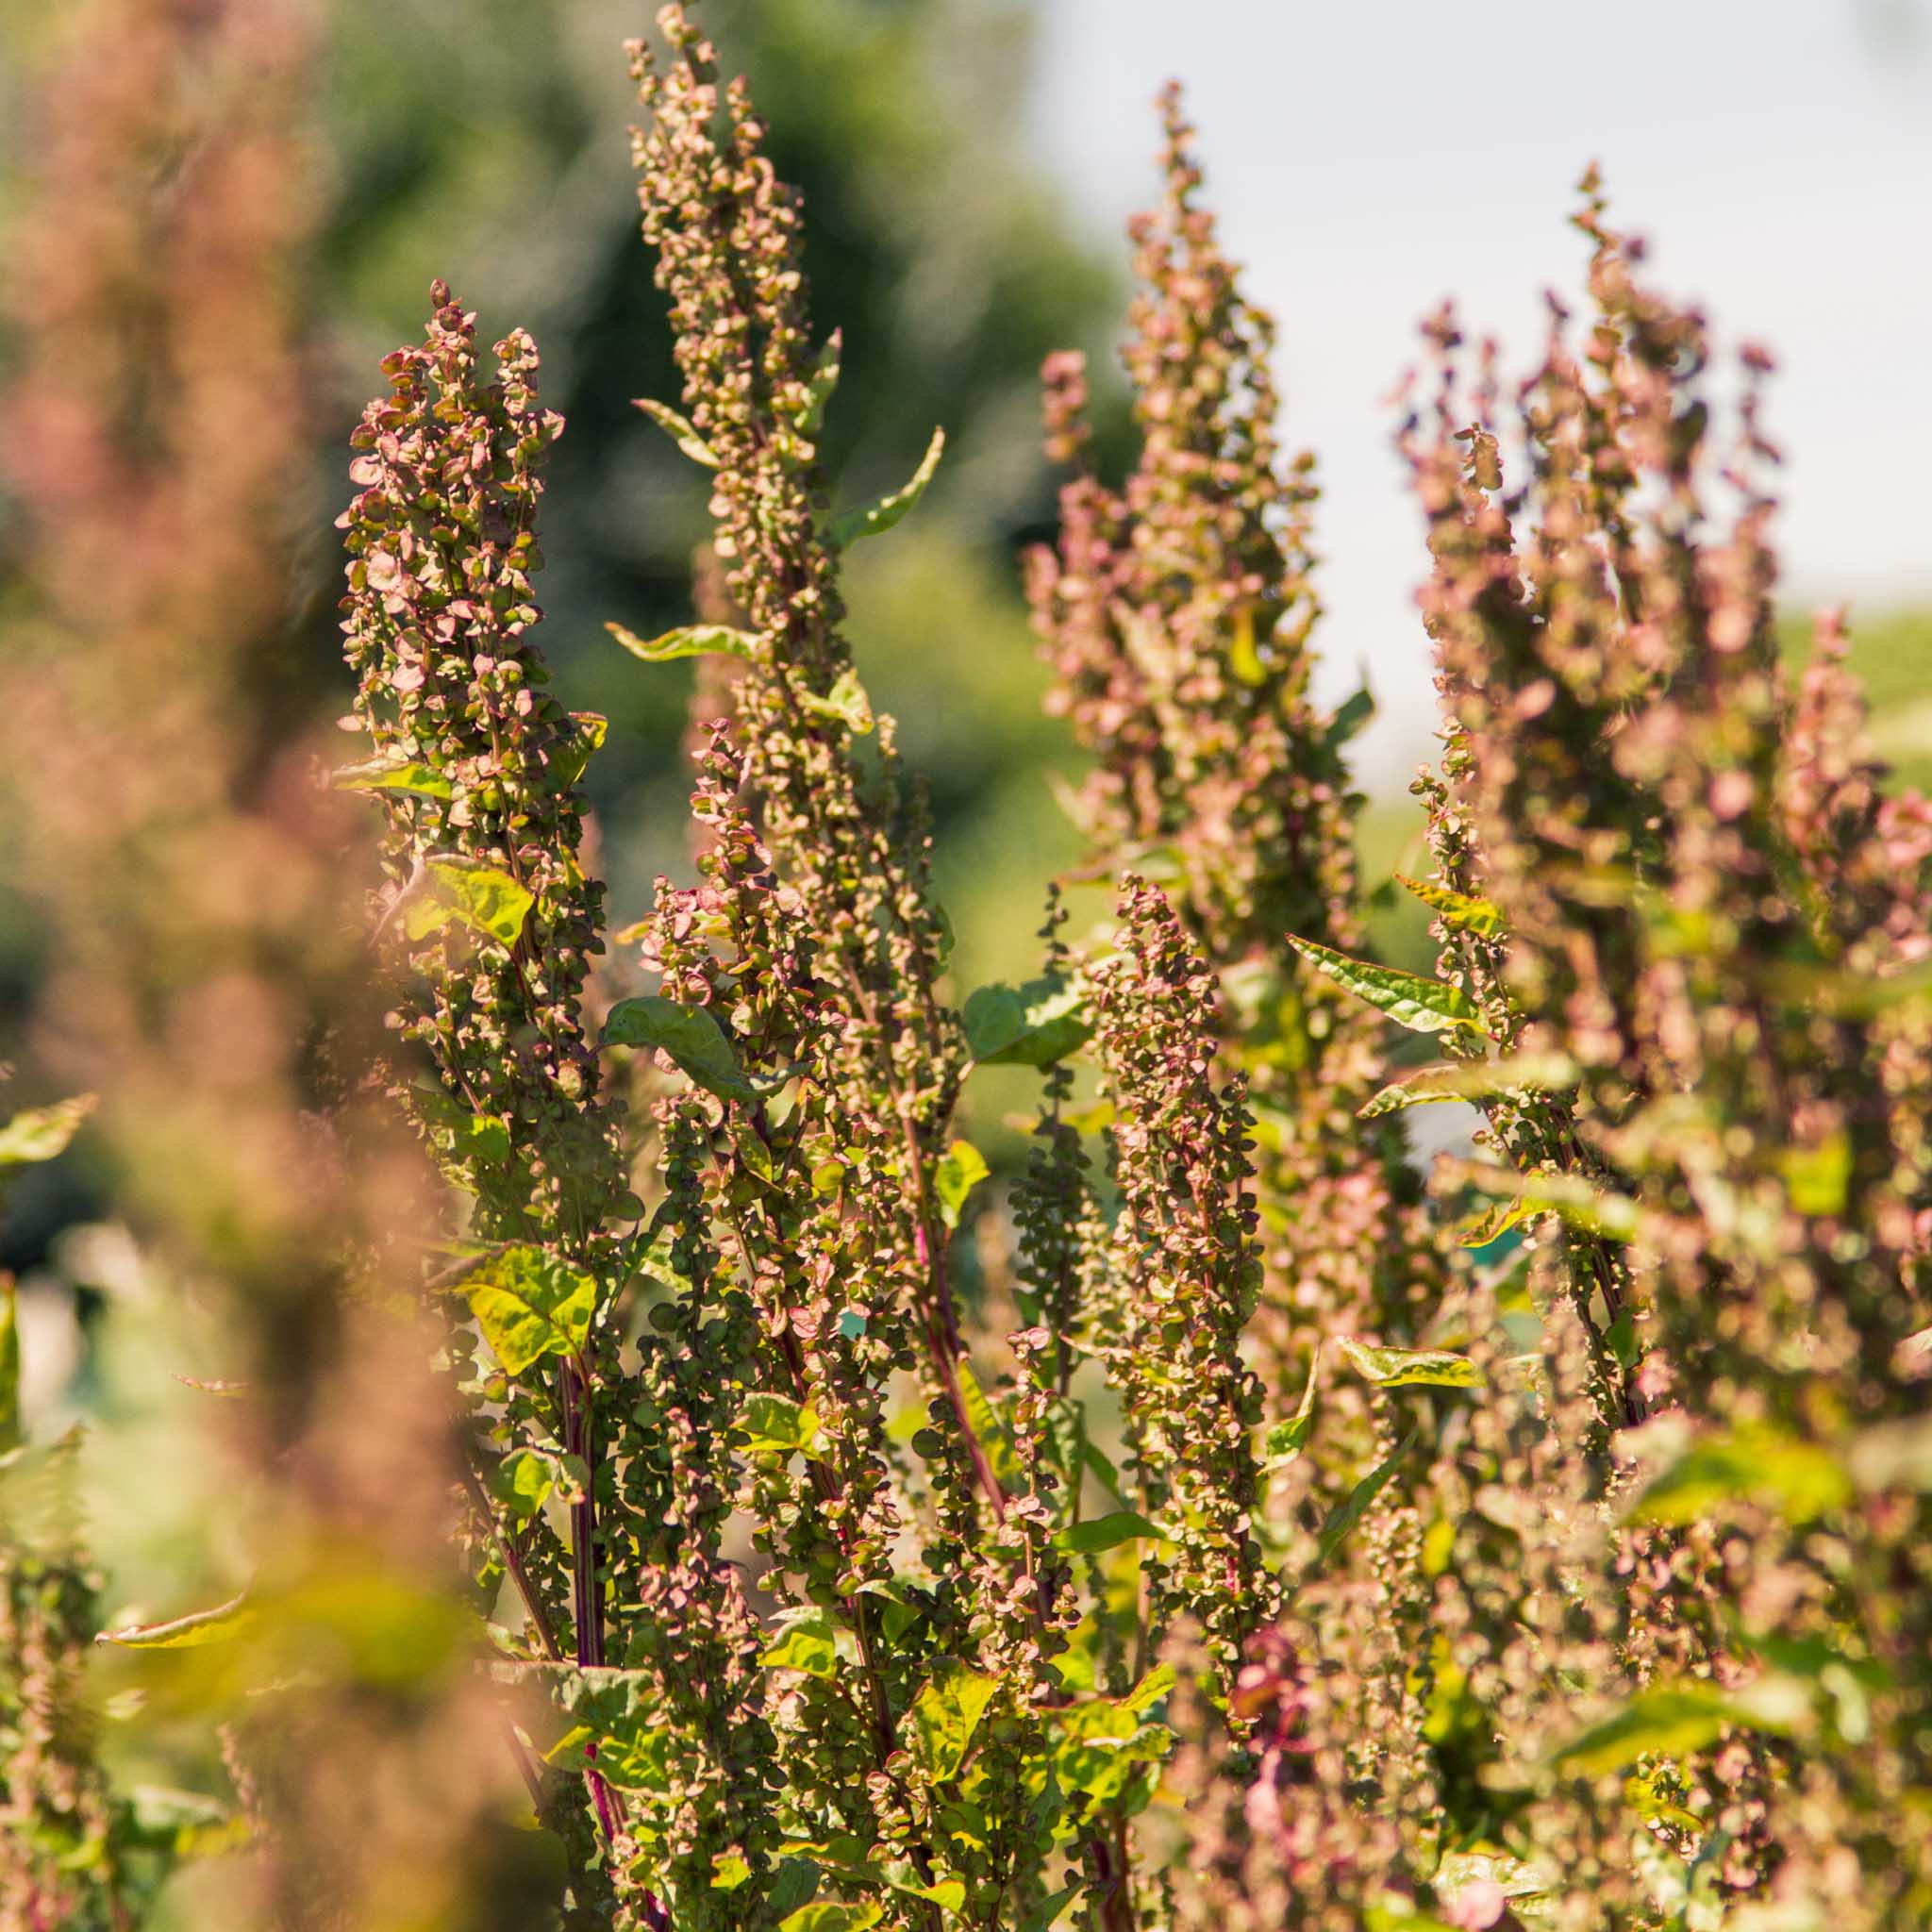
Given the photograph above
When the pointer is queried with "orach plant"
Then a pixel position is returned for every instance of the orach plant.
(1314, 1546)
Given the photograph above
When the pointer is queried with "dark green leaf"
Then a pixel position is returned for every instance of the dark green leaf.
(687, 1035)
(1350, 717)
(569, 758)
(1104, 1533)
(1029, 1025)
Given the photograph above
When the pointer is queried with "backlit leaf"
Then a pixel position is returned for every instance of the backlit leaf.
(772, 1422)
(875, 519)
(806, 1640)
(680, 430)
(569, 760)
(1800, 1480)
(846, 700)
(9, 1365)
(40, 1133)
(392, 774)
(945, 1716)
(1441, 1080)
(530, 1304)
(185, 1633)
(479, 896)
(687, 641)
(1409, 1368)
(1423, 1005)
(1357, 1502)
(956, 1177)
(1457, 910)
(1284, 1440)
(826, 1916)
(1669, 1721)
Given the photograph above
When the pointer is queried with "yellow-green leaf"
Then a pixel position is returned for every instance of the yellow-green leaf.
(678, 427)
(846, 700)
(687, 641)
(1104, 1533)
(774, 1424)
(1409, 1368)
(1458, 909)
(1800, 1480)
(1441, 1080)
(40, 1133)
(185, 1633)
(479, 896)
(530, 1304)
(1423, 1005)
(409, 775)
(945, 1716)
(1669, 1721)
(690, 1036)
(806, 1640)
(826, 1916)
(956, 1177)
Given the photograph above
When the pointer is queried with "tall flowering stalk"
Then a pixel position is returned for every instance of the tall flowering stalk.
(1178, 615)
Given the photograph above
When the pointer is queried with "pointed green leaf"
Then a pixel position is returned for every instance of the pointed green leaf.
(825, 379)
(806, 1640)
(728, 1871)
(1423, 1005)
(1350, 717)
(392, 774)
(530, 1304)
(1458, 909)
(1104, 1533)
(1029, 1025)
(687, 641)
(689, 1036)
(988, 1426)
(9, 1365)
(679, 430)
(1357, 1502)
(1047, 1914)
(875, 519)
(185, 1633)
(40, 1133)
(1285, 1441)
(1148, 1691)
(521, 1481)
(846, 700)
(1571, 1198)
(1409, 1368)
(945, 1716)
(956, 1177)
(1534, 1073)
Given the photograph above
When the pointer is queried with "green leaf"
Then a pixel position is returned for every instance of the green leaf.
(1029, 1025)
(529, 1304)
(1423, 1005)
(40, 1133)
(1667, 1721)
(680, 430)
(846, 700)
(826, 1916)
(1104, 1533)
(774, 1424)
(1284, 1440)
(186, 1633)
(411, 776)
(875, 519)
(569, 758)
(1457, 910)
(1357, 1502)
(1047, 1915)
(479, 896)
(949, 1892)
(1535, 1072)
(687, 641)
(521, 1481)
(1148, 1691)
(728, 1871)
(806, 1640)
(1571, 1198)
(1351, 715)
(1800, 1480)
(9, 1365)
(945, 1716)
(1817, 1178)
(825, 379)
(1410, 1368)
(690, 1036)
(988, 1426)
(956, 1177)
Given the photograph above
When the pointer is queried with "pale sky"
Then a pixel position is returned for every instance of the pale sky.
(1368, 158)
